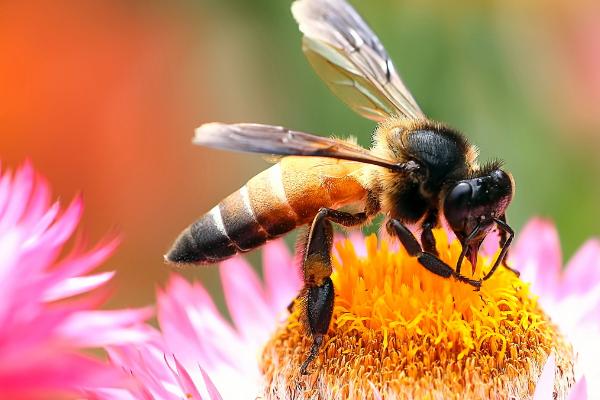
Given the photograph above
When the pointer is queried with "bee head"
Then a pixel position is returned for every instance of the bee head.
(471, 207)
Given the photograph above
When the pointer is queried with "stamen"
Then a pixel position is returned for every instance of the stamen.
(406, 333)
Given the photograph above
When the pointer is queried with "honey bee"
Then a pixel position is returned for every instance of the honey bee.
(417, 172)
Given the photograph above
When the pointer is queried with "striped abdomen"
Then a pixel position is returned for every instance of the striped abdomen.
(274, 202)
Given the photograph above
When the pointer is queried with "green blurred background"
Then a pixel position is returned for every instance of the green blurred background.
(103, 97)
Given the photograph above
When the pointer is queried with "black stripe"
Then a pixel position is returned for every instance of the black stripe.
(211, 240)
(202, 242)
(240, 224)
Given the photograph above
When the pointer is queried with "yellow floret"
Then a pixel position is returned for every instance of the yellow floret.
(404, 332)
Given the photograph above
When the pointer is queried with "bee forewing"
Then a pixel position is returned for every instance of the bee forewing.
(348, 56)
(267, 139)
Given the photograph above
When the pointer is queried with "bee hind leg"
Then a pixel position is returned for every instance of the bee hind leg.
(430, 261)
(318, 292)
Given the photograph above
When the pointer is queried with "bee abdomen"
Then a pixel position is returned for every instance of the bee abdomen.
(246, 219)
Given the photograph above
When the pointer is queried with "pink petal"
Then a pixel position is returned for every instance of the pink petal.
(38, 202)
(184, 380)
(193, 328)
(5, 191)
(489, 247)
(282, 277)
(537, 255)
(195, 331)
(148, 368)
(358, 241)
(62, 372)
(42, 225)
(79, 263)
(18, 197)
(74, 286)
(582, 273)
(246, 300)
(213, 393)
(579, 391)
(544, 389)
(111, 394)
(65, 225)
(97, 328)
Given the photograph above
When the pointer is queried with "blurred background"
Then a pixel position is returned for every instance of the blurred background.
(103, 97)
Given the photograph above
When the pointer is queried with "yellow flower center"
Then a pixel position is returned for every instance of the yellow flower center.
(404, 332)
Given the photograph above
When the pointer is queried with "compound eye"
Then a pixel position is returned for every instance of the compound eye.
(456, 204)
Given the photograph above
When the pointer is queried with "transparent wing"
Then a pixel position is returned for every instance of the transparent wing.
(267, 139)
(348, 56)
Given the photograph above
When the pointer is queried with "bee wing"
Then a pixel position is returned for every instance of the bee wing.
(348, 56)
(268, 139)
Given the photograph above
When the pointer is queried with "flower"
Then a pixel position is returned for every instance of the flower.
(401, 331)
(45, 331)
(397, 329)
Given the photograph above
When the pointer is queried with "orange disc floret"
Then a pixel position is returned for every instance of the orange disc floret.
(404, 332)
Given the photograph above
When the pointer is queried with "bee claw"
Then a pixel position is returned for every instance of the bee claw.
(475, 283)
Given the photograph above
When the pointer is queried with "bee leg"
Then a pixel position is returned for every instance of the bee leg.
(429, 261)
(503, 239)
(316, 267)
(427, 238)
(508, 230)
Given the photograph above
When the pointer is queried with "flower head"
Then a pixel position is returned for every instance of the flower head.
(397, 330)
(44, 330)
(405, 332)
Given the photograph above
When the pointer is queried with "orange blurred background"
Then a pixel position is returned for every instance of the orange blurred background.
(103, 97)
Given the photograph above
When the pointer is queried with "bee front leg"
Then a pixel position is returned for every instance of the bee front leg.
(505, 234)
(430, 261)
(427, 238)
(318, 292)
(504, 248)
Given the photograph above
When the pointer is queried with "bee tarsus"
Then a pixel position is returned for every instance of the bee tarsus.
(505, 243)
(314, 351)
(428, 260)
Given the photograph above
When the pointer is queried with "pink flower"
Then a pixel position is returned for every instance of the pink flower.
(43, 329)
(201, 355)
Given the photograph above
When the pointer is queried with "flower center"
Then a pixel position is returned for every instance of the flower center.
(401, 331)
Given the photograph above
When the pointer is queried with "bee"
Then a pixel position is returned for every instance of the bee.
(418, 172)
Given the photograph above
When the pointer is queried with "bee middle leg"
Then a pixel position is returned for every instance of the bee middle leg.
(430, 261)
(318, 289)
